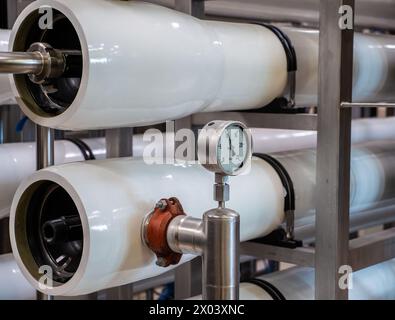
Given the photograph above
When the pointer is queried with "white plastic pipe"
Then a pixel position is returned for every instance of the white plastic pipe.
(374, 283)
(13, 285)
(135, 187)
(363, 130)
(168, 66)
(372, 177)
(374, 66)
(6, 95)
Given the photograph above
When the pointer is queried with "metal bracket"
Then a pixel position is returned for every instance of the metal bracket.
(292, 89)
(290, 224)
(278, 238)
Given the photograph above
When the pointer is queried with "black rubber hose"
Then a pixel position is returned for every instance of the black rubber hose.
(85, 149)
(289, 204)
(270, 289)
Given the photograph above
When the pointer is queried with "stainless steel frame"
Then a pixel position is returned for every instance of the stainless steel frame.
(119, 142)
(333, 150)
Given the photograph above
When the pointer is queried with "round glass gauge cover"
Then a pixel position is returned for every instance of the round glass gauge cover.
(232, 149)
(225, 147)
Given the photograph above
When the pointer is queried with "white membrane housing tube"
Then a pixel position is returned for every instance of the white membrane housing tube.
(374, 283)
(374, 66)
(18, 159)
(134, 187)
(6, 95)
(363, 130)
(169, 66)
(13, 285)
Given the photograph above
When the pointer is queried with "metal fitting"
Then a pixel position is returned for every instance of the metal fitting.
(41, 62)
(221, 188)
(162, 205)
(53, 63)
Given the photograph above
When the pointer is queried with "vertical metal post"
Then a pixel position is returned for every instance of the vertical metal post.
(193, 7)
(333, 150)
(188, 279)
(5, 245)
(44, 158)
(9, 117)
(188, 275)
(119, 142)
(12, 12)
(45, 147)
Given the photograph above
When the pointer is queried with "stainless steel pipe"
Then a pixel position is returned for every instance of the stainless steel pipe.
(185, 235)
(221, 255)
(45, 147)
(45, 138)
(21, 62)
(216, 238)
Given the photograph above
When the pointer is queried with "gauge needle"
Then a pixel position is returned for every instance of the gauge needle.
(233, 153)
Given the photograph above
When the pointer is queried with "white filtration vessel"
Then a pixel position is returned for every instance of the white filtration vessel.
(168, 66)
(13, 285)
(176, 65)
(112, 197)
(6, 95)
(374, 66)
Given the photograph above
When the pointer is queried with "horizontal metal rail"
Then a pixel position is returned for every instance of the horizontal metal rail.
(367, 105)
(303, 256)
(372, 249)
(364, 251)
(261, 120)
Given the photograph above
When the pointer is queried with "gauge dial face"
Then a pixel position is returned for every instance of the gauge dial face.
(232, 149)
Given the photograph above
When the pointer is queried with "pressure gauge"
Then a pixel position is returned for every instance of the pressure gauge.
(225, 147)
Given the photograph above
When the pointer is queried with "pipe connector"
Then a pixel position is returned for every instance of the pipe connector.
(53, 63)
(155, 227)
